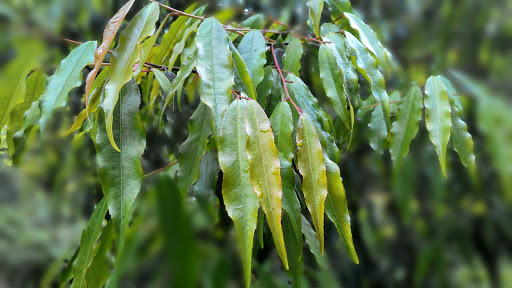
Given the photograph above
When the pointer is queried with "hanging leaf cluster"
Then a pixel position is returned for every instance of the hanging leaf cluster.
(276, 146)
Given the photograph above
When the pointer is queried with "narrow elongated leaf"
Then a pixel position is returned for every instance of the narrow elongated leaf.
(205, 187)
(188, 30)
(265, 86)
(341, 53)
(253, 48)
(368, 37)
(332, 79)
(312, 239)
(338, 7)
(243, 81)
(108, 36)
(462, 140)
(99, 270)
(310, 161)
(367, 65)
(405, 127)
(147, 48)
(89, 237)
(120, 173)
(292, 56)
(294, 249)
(239, 198)
(315, 13)
(123, 57)
(377, 132)
(265, 172)
(65, 78)
(215, 66)
(336, 207)
(34, 89)
(437, 117)
(193, 149)
(282, 125)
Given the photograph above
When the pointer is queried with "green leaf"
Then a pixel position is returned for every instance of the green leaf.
(120, 173)
(239, 198)
(265, 86)
(192, 150)
(377, 132)
(65, 78)
(294, 248)
(34, 88)
(253, 48)
(282, 125)
(367, 66)
(462, 140)
(438, 117)
(190, 27)
(338, 7)
(332, 79)
(99, 270)
(292, 55)
(89, 237)
(242, 79)
(265, 172)
(405, 127)
(312, 240)
(146, 48)
(315, 13)
(215, 66)
(311, 165)
(368, 37)
(336, 207)
(348, 71)
(123, 58)
(205, 187)
(256, 21)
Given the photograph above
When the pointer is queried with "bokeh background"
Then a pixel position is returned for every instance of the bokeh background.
(412, 227)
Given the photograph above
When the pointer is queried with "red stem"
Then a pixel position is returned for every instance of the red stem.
(284, 82)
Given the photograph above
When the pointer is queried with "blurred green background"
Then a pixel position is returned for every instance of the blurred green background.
(412, 227)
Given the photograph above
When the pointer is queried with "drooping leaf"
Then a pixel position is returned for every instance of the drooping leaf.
(239, 198)
(215, 66)
(34, 88)
(99, 270)
(187, 34)
(338, 7)
(265, 86)
(243, 81)
(147, 48)
(252, 48)
(312, 240)
(193, 149)
(311, 165)
(120, 173)
(94, 100)
(438, 117)
(405, 127)
(65, 78)
(368, 37)
(123, 58)
(315, 13)
(89, 237)
(163, 81)
(108, 36)
(336, 207)
(367, 66)
(395, 96)
(294, 249)
(332, 80)
(377, 132)
(462, 140)
(292, 56)
(282, 126)
(205, 187)
(265, 172)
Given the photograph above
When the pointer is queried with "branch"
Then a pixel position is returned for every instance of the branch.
(284, 82)
(161, 169)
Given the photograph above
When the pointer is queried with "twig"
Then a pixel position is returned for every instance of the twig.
(284, 82)
(375, 105)
(163, 168)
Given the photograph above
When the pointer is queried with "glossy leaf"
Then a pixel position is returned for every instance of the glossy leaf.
(205, 187)
(147, 48)
(377, 132)
(315, 13)
(438, 117)
(292, 56)
(367, 65)
(65, 78)
(34, 88)
(239, 198)
(89, 237)
(332, 79)
(265, 172)
(338, 7)
(192, 150)
(108, 36)
(405, 127)
(123, 58)
(462, 140)
(265, 86)
(99, 270)
(215, 66)
(282, 126)
(120, 173)
(336, 207)
(253, 48)
(368, 37)
(312, 239)
(242, 78)
(187, 34)
(311, 165)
